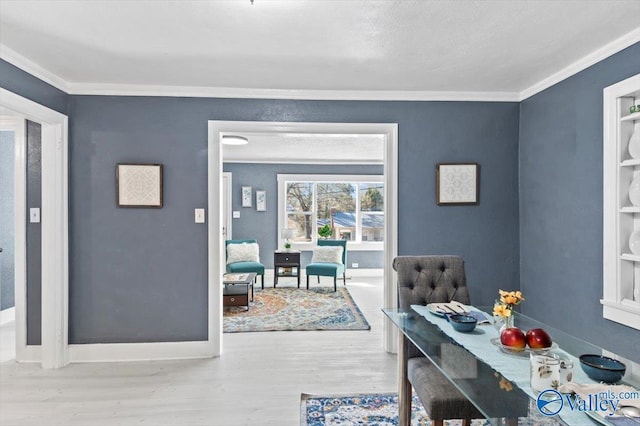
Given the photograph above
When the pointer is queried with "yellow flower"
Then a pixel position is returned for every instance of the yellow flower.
(508, 299)
(501, 310)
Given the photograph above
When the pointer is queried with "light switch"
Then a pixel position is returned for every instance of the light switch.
(236, 214)
(199, 215)
(34, 215)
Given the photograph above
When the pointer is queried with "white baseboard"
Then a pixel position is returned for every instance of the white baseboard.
(365, 272)
(114, 352)
(29, 353)
(7, 315)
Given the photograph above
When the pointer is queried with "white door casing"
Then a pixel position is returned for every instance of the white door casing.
(53, 352)
(216, 239)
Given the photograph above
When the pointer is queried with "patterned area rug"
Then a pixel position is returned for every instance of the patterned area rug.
(381, 409)
(284, 309)
(364, 409)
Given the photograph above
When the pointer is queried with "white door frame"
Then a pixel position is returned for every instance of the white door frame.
(16, 123)
(214, 180)
(53, 351)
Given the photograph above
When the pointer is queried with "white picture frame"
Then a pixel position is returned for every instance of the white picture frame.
(139, 185)
(261, 201)
(457, 183)
(246, 196)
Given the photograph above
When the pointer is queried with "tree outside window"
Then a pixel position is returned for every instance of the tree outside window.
(354, 210)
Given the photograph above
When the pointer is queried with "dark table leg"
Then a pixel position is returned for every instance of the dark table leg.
(404, 387)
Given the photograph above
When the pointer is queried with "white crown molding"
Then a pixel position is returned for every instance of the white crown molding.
(32, 68)
(242, 93)
(585, 62)
(300, 160)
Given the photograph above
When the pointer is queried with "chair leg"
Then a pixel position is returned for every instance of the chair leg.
(335, 283)
(466, 422)
(307, 282)
(263, 281)
(318, 279)
(344, 278)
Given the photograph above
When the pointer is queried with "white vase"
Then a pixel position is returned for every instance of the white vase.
(634, 191)
(634, 141)
(634, 242)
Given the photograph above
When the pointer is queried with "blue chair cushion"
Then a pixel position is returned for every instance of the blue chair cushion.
(325, 269)
(256, 267)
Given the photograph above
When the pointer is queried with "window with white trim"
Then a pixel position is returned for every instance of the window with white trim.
(350, 206)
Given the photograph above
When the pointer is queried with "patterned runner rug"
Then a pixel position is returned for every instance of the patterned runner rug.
(280, 309)
(381, 409)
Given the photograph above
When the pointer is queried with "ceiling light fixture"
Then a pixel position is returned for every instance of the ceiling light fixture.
(234, 140)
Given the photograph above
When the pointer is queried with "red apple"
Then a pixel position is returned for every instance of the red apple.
(513, 337)
(537, 338)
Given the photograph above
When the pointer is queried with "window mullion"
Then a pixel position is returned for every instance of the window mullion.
(314, 214)
(358, 215)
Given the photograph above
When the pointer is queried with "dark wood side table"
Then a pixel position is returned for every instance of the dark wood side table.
(286, 264)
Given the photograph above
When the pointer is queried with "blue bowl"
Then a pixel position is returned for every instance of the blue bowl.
(602, 368)
(462, 323)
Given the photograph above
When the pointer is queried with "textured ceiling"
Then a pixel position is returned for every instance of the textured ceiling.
(385, 45)
(300, 148)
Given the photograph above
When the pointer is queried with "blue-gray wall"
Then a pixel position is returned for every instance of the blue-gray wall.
(133, 269)
(30, 87)
(7, 213)
(561, 204)
(140, 274)
(34, 233)
(263, 226)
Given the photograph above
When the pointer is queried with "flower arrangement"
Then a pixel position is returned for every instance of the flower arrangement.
(508, 300)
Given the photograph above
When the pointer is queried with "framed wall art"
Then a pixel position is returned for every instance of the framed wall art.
(261, 201)
(139, 185)
(457, 183)
(246, 196)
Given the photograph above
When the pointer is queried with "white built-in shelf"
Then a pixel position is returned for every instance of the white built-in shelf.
(633, 209)
(630, 163)
(631, 117)
(620, 267)
(629, 256)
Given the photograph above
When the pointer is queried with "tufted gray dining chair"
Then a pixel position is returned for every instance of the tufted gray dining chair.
(434, 279)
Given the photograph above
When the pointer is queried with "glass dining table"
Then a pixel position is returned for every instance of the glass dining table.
(497, 380)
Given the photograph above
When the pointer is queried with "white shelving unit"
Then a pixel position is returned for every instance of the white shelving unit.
(621, 268)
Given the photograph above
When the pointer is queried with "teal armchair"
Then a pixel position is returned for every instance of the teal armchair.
(329, 269)
(241, 267)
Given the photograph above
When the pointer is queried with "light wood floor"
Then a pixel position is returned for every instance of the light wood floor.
(257, 381)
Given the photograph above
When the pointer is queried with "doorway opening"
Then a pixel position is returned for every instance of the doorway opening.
(52, 352)
(388, 132)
